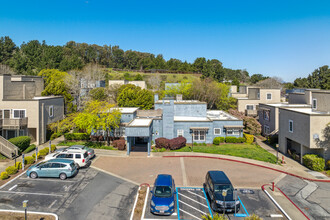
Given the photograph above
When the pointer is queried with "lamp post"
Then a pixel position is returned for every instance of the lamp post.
(25, 203)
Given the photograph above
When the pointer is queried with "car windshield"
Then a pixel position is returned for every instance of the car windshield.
(39, 164)
(163, 191)
(219, 188)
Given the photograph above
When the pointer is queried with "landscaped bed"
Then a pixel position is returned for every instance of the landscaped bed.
(20, 216)
(96, 145)
(251, 151)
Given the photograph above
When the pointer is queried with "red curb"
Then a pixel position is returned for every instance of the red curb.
(144, 184)
(258, 165)
(263, 188)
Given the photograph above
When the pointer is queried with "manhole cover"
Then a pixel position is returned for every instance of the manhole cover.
(247, 191)
(6, 200)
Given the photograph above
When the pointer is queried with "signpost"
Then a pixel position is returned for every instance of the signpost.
(224, 194)
(235, 198)
(25, 202)
(36, 154)
(23, 161)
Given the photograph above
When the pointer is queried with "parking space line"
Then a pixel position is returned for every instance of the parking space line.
(193, 200)
(40, 194)
(189, 214)
(196, 194)
(239, 214)
(52, 180)
(177, 203)
(12, 188)
(51, 205)
(193, 207)
(207, 202)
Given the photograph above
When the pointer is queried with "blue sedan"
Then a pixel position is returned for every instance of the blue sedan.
(162, 201)
(60, 168)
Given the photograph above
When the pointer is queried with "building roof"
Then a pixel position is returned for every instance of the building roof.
(140, 122)
(217, 115)
(287, 105)
(307, 111)
(46, 97)
(190, 118)
(180, 102)
(150, 113)
(126, 110)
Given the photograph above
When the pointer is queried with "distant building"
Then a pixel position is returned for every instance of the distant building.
(141, 84)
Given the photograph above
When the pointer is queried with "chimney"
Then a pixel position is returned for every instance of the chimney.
(178, 97)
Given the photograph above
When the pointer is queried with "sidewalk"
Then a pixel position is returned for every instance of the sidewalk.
(4, 165)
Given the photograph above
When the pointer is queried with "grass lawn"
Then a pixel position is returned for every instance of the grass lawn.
(251, 151)
(94, 145)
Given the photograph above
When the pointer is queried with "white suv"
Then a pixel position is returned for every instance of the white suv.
(81, 158)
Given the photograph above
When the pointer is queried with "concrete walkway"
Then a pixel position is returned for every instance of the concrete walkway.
(7, 163)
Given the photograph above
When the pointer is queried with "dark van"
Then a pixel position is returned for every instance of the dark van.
(215, 183)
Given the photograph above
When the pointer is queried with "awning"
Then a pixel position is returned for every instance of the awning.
(199, 128)
(233, 126)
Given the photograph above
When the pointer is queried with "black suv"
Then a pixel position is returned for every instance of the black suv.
(215, 183)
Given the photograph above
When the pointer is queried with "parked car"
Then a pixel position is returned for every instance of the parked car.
(78, 156)
(215, 183)
(162, 201)
(61, 168)
(90, 151)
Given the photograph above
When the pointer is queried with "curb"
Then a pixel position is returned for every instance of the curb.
(30, 212)
(258, 165)
(263, 188)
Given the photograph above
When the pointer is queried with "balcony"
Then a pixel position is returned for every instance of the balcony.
(14, 123)
(250, 112)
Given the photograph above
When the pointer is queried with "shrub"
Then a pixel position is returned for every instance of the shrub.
(231, 139)
(216, 141)
(120, 144)
(29, 159)
(162, 143)
(177, 143)
(11, 170)
(240, 140)
(4, 175)
(76, 136)
(52, 147)
(18, 165)
(21, 142)
(55, 135)
(44, 152)
(30, 148)
(328, 164)
(313, 162)
(249, 138)
(34, 155)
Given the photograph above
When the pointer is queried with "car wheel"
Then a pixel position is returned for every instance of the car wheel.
(78, 167)
(33, 175)
(62, 176)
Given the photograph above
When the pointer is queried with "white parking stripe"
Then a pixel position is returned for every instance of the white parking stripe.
(189, 214)
(29, 193)
(192, 207)
(12, 188)
(52, 180)
(193, 200)
(196, 194)
(51, 205)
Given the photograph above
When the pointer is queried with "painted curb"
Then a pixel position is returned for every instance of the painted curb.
(30, 212)
(253, 164)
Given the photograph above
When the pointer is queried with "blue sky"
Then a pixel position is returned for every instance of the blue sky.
(287, 39)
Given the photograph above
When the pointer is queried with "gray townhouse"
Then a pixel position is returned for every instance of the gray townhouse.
(23, 111)
(174, 118)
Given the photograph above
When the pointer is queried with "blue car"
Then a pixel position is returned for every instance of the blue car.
(60, 168)
(162, 201)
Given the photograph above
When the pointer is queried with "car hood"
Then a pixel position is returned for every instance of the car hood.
(162, 201)
(229, 197)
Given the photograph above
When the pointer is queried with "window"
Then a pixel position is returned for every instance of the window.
(249, 107)
(51, 111)
(266, 115)
(46, 165)
(199, 135)
(69, 156)
(61, 156)
(269, 96)
(78, 156)
(56, 165)
(258, 95)
(233, 131)
(217, 131)
(180, 132)
(314, 103)
(18, 113)
(266, 129)
(291, 126)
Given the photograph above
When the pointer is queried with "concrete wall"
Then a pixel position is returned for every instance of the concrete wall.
(323, 101)
(157, 129)
(190, 110)
(272, 123)
(253, 93)
(317, 125)
(125, 118)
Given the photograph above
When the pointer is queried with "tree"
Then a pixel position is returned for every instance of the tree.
(138, 77)
(300, 83)
(154, 81)
(251, 125)
(271, 83)
(257, 77)
(98, 94)
(7, 49)
(4, 69)
(325, 141)
(183, 88)
(133, 96)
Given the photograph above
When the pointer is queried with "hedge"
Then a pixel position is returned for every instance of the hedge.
(120, 144)
(76, 136)
(22, 142)
(241, 140)
(4, 175)
(30, 148)
(11, 170)
(177, 143)
(52, 147)
(18, 165)
(249, 138)
(44, 152)
(231, 139)
(218, 140)
(55, 135)
(313, 162)
(34, 155)
(328, 164)
(162, 143)
(29, 160)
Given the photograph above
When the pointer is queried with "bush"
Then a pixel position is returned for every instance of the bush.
(22, 142)
(34, 155)
(52, 147)
(11, 170)
(328, 164)
(162, 143)
(18, 165)
(177, 143)
(231, 139)
(30, 148)
(218, 140)
(120, 144)
(76, 136)
(240, 140)
(44, 152)
(313, 162)
(29, 159)
(4, 175)
(55, 135)
(249, 138)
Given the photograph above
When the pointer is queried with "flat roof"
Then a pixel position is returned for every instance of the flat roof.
(140, 122)
(307, 111)
(181, 102)
(285, 104)
(190, 118)
(126, 110)
(219, 115)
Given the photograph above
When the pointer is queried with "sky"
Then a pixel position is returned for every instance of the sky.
(286, 39)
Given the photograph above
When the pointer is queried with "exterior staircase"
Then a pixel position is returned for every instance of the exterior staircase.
(7, 148)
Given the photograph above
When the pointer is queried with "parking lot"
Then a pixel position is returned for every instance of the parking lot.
(90, 194)
(192, 203)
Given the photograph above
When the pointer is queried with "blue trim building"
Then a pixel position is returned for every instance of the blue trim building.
(174, 118)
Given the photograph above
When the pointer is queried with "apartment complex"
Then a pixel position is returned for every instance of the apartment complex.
(23, 111)
(249, 97)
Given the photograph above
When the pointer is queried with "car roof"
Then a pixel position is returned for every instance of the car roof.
(219, 177)
(163, 180)
(77, 145)
(60, 160)
(70, 151)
